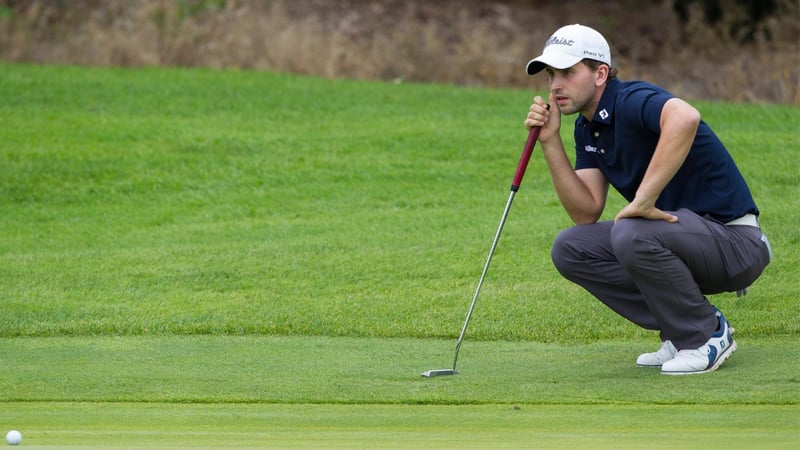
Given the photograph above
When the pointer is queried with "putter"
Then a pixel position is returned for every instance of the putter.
(533, 135)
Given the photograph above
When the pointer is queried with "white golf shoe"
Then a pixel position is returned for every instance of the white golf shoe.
(656, 359)
(708, 357)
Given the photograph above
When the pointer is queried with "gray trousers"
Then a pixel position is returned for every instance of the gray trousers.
(656, 274)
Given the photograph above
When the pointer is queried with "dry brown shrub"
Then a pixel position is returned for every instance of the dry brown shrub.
(476, 43)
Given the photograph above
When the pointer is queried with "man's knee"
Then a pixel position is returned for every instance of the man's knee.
(631, 240)
(563, 253)
(573, 249)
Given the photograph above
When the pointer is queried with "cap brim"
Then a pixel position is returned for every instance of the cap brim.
(554, 60)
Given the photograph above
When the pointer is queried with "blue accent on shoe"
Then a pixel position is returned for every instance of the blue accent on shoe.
(719, 348)
(724, 342)
(722, 326)
(712, 356)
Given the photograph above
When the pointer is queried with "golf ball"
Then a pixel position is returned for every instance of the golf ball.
(13, 437)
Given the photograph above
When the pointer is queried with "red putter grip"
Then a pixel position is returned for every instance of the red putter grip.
(533, 135)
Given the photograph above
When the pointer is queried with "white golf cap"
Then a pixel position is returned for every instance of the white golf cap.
(568, 46)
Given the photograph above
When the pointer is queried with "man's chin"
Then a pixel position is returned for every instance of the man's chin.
(568, 110)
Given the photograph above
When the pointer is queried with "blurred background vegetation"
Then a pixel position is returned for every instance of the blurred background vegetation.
(734, 50)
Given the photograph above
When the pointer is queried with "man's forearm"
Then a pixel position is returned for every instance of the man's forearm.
(582, 205)
(678, 129)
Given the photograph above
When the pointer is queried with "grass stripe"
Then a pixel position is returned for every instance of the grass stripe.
(158, 425)
(214, 369)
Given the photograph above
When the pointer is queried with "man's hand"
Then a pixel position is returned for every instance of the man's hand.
(645, 209)
(539, 116)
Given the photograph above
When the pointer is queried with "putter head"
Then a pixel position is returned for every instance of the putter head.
(439, 372)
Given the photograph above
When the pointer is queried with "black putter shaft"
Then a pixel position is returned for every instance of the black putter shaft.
(533, 135)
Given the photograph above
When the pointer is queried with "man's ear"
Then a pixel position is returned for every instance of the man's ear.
(601, 75)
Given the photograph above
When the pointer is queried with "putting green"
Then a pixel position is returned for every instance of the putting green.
(158, 425)
(353, 393)
(306, 369)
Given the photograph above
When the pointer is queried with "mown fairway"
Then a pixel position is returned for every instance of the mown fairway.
(217, 258)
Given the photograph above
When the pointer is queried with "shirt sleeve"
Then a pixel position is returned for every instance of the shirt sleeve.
(642, 108)
(583, 160)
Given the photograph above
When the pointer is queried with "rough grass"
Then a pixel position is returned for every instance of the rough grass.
(197, 201)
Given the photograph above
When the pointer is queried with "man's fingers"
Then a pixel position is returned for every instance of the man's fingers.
(651, 214)
(537, 116)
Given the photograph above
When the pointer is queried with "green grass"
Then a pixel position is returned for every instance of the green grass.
(193, 201)
(147, 425)
(334, 392)
(337, 370)
(184, 248)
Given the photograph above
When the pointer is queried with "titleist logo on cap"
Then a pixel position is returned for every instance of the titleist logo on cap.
(555, 40)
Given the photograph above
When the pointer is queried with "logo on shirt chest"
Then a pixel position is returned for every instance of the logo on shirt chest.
(590, 149)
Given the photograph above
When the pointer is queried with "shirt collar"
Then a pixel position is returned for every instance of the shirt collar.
(605, 107)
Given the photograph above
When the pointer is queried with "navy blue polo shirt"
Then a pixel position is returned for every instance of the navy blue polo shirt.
(621, 139)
